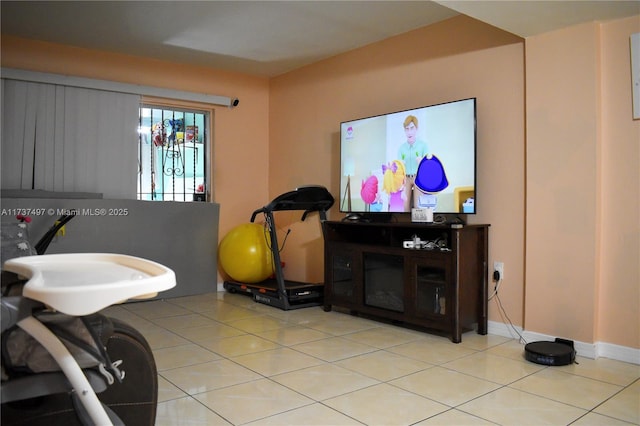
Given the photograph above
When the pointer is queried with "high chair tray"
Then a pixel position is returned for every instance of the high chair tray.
(84, 283)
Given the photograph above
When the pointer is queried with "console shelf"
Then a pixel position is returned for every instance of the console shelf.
(368, 271)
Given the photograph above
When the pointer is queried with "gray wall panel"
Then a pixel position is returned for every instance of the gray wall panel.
(181, 236)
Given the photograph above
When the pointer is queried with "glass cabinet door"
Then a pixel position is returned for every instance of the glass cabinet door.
(342, 282)
(431, 286)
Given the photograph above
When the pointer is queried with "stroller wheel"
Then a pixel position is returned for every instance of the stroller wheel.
(133, 400)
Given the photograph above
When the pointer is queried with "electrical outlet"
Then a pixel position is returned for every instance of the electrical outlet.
(499, 266)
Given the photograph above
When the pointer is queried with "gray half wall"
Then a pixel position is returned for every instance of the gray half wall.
(181, 236)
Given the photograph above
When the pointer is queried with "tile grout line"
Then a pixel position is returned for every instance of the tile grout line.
(375, 349)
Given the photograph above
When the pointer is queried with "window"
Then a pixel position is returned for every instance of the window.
(172, 154)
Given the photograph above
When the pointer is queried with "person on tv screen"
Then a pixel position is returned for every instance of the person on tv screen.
(412, 151)
(393, 185)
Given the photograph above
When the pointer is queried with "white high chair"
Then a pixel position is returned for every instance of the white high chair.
(78, 285)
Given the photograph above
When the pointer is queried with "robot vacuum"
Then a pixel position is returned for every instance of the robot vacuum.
(559, 352)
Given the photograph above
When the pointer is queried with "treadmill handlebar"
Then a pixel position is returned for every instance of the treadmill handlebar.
(306, 198)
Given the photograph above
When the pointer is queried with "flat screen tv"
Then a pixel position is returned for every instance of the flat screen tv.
(419, 158)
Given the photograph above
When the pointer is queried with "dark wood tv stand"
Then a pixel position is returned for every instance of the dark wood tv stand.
(368, 271)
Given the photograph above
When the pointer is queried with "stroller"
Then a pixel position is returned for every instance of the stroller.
(58, 352)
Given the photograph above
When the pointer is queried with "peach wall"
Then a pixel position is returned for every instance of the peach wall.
(619, 293)
(562, 182)
(418, 68)
(240, 135)
(582, 273)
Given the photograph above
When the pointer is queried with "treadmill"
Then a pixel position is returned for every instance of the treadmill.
(277, 291)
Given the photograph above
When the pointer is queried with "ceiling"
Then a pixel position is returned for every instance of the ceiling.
(268, 38)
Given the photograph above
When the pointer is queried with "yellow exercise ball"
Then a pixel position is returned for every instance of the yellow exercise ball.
(245, 255)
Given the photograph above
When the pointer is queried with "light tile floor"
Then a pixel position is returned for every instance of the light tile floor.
(226, 360)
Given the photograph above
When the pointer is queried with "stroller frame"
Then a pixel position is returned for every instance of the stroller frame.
(75, 285)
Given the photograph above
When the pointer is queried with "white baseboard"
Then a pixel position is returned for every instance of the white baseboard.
(587, 350)
(502, 329)
(621, 353)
